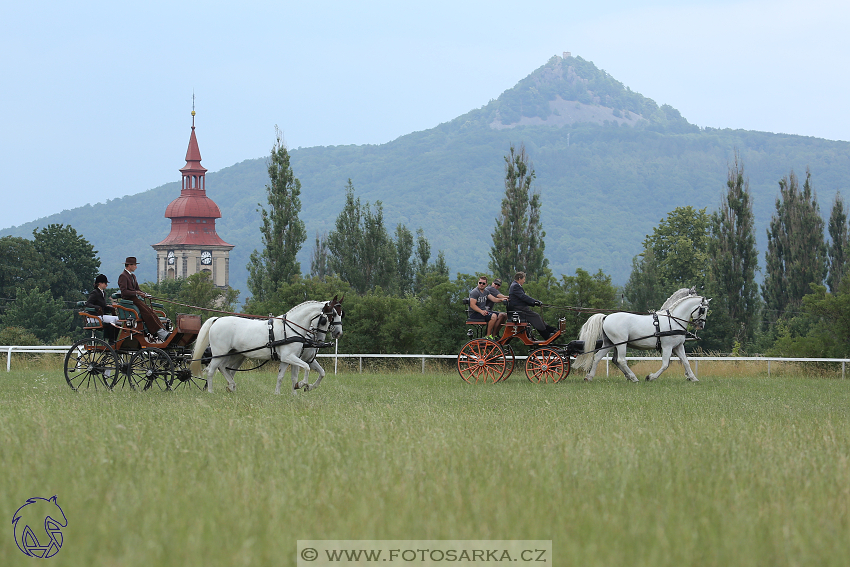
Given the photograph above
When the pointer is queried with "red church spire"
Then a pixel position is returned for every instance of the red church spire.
(193, 214)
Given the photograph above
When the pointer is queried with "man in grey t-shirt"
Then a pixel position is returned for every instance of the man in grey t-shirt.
(478, 310)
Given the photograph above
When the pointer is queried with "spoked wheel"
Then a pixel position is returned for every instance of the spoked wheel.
(546, 365)
(510, 361)
(122, 376)
(183, 378)
(91, 363)
(481, 361)
(150, 368)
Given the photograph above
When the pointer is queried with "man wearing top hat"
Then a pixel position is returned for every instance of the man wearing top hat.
(130, 290)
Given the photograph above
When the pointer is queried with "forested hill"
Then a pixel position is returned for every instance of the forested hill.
(610, 163)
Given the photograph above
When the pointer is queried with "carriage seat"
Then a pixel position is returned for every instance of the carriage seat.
(127, 310)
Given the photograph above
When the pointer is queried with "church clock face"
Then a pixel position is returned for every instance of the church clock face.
(206, 257)
(170, 257)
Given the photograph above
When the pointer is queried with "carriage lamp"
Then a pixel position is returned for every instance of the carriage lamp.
(562, 323)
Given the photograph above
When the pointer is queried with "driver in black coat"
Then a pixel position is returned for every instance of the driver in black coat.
(518, 300)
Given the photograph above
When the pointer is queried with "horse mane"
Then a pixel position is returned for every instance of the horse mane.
(677, 297)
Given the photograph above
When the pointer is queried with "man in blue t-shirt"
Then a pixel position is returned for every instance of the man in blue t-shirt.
(478, 310)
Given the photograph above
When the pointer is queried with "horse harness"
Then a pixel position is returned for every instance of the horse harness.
(308, 338)
(659, 333)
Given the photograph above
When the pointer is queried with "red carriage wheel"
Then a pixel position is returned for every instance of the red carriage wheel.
(481, 361)
(510, 361)
(545, 365)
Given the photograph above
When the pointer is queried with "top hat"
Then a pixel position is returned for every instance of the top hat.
(130, 260)
(100, 279)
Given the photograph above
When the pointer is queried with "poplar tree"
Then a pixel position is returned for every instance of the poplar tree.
(405, 266)
(283, 233)
(518, 237)
(734, 262)
(361, 251)
(796, 252)
(319, 260)
(839, 242)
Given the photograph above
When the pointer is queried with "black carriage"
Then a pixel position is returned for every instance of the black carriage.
(124, 353)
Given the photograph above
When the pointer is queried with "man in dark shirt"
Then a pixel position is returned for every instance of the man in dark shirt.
(518, 300)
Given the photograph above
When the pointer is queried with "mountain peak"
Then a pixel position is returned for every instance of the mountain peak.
(568, 90)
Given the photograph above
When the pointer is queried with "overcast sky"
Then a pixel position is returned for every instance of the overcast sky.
(96, 96)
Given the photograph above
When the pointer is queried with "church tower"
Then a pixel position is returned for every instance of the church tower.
(193, 246)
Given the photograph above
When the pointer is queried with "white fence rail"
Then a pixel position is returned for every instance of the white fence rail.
(336, 356)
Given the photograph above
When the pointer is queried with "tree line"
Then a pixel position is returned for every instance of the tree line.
(791, 313)
(400, 297)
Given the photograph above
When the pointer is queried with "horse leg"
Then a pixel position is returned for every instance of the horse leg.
(229, 370)
(210, 370)
(620, 361)
(318, 368)
(680, 352)
(294, 360)
(281, 371)
(665, 362)
(600, 354)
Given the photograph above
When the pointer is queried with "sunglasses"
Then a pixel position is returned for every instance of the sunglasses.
(497, 284)
(482, 283)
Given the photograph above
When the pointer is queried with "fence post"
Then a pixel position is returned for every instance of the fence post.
(768, 369)
(9, 359)
(360, 358)
(423, 365)
(696, 371)
(842, 370)
(606, 365)
(336, 353)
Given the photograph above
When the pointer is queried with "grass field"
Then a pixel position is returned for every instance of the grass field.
(737, 469)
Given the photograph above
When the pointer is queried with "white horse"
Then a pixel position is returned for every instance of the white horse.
(308, 355)
(621, 330)
(233, 339)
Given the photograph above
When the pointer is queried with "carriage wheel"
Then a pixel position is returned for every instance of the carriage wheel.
(91, 363)
(183, 376)
(150, 368)
(545, 365)
(122, 376)
(481, 361)
(510, 361)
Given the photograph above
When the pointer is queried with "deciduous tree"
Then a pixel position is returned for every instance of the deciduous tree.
(70, 261)
(39, 313)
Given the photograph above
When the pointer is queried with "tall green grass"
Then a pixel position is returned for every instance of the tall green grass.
(728, 471)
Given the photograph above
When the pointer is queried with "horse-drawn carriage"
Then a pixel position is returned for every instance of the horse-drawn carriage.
(490, 361)
(123, 353)
(482, 360)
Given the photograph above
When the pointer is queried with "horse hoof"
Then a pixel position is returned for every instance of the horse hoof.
(586, 379)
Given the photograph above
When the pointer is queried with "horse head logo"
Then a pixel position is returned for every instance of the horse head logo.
(38, 527)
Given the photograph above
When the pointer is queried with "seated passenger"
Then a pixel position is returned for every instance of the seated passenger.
(478, 310)
(494, 295)
(519, 301)
(97, 299)
(130, 290)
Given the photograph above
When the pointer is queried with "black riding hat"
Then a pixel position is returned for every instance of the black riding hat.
(100, 279)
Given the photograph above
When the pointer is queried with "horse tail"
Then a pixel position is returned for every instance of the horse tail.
(201, 344)
(590, 333)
